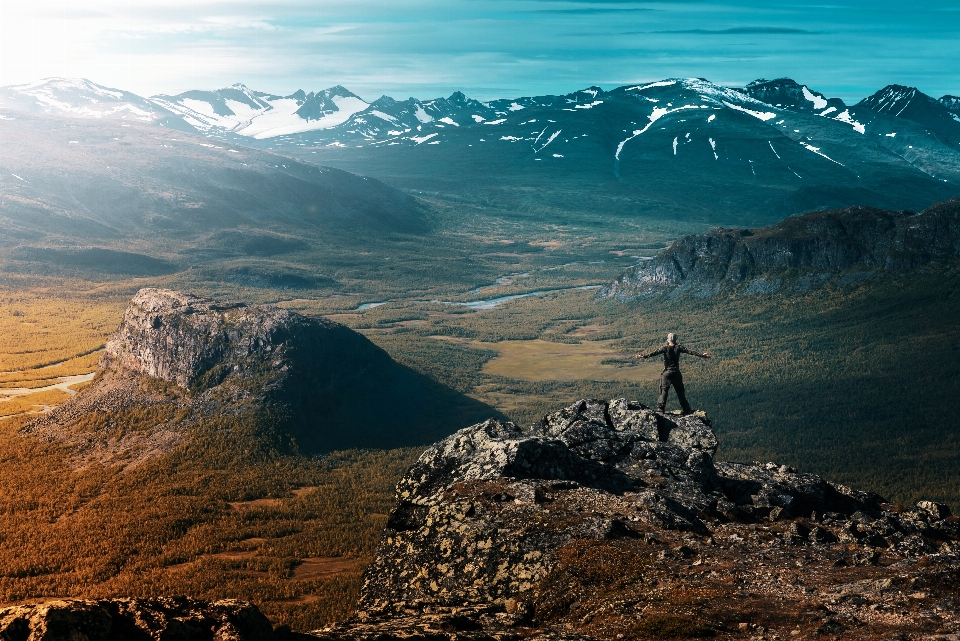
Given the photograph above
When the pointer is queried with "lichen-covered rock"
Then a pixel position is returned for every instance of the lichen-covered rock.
(501, 532)
(171, 619)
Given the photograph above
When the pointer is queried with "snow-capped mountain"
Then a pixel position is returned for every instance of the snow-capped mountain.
(235, 109)
(912, 104)
(951, 104)
(260, 115)
(673, 146)
(81, 98)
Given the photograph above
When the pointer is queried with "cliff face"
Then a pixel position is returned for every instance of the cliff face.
(606, 517)
(180, 338)
(179, 361)
(813, 248)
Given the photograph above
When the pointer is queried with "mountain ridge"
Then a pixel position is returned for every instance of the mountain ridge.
(801, 251)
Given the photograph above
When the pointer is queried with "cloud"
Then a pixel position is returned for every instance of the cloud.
(742, 31)
(589, 11)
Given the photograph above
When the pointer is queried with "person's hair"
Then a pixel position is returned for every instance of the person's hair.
(671, 338)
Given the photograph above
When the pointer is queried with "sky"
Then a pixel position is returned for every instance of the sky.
(485, 48)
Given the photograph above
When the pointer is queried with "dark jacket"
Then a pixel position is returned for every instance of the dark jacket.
(671, 356)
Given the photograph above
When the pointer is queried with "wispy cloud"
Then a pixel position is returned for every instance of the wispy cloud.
(488, 48)
(587, 11)
(742, 31)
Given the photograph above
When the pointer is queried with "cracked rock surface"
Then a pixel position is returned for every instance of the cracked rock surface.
(608, 520)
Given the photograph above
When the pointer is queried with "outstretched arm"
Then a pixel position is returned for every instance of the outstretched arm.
(697, 354)
(659, 351)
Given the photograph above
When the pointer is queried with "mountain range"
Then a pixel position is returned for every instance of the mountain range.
(680, 149)
(241, 110)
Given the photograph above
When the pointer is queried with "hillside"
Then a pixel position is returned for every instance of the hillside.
(802, 252)
(131, 199)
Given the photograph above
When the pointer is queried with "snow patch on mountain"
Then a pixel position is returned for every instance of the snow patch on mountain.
(845, 116)
(422, 115)
(817, 151)
(282, 119)
(819, 102)
(661, 83)
(657, 114)
(762, 115)
(552, 137)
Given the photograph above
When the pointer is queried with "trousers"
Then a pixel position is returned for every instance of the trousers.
(673, 379)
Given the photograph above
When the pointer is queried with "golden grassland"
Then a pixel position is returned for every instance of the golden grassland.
(194, 522)
(857, 384)
(45, 337)
(541, 360)
(31, 403)
(39, 330)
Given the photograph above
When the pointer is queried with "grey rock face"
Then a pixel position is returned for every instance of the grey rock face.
(179, 338)
(481, 513)
(817, 245)
(135, 619)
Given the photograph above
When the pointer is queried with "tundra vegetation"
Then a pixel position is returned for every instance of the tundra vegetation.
(857, 383)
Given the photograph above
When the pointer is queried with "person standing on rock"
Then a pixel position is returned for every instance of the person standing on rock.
(671, 376)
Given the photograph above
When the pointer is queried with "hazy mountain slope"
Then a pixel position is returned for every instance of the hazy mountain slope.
(82, 182)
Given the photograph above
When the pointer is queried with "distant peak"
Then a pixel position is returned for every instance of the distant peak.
(783, 82)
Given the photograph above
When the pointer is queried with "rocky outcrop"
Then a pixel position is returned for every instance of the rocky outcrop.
(801, 253)
(179, 361)
(134, 620)
(789, 94)
(606, 516)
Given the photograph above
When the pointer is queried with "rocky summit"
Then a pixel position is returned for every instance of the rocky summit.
(609, 520)
(800, 253)
(181, 365)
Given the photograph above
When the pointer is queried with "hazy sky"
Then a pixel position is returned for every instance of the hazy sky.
(487, 48)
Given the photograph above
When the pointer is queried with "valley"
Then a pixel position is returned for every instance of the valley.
(482, 273)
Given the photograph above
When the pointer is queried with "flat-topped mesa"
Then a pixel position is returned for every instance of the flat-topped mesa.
(493, 523)
(181, 338)
(284, 380)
